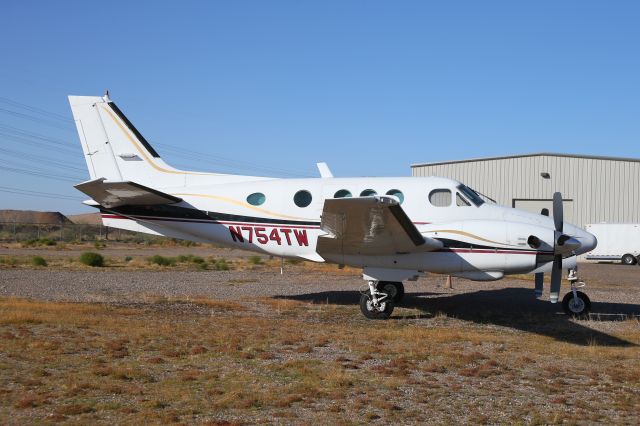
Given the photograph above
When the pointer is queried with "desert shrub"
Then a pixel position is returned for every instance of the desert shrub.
(38, 261)
(99, 244)
(90, 258)
(190, 258)
(219, 264)
(8, 260)
(255, 260)
(162, 261)
(33, 242)
(294, 261)
(128, 258)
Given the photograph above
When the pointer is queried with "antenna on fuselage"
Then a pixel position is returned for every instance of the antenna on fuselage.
(324, 170)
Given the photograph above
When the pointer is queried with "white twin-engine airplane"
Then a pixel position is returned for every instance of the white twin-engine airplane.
(395, 229)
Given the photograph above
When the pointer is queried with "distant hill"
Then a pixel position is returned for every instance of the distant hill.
(86, 218)
(29, 216)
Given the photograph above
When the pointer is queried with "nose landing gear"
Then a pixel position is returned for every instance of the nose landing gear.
(576, 303)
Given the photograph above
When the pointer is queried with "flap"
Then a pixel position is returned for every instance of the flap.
(370, 226)
(116, 194)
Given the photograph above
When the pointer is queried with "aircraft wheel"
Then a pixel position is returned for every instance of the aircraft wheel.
(628, 259)
(382, 311)
(395, 289)
(576, 308)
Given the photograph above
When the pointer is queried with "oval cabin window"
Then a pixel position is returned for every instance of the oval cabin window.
(343, 193)
(302, 198)
(256, 199)
(396, 193)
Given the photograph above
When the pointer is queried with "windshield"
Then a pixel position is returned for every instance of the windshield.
(471, 195)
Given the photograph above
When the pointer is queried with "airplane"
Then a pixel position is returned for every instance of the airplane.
(395, 229)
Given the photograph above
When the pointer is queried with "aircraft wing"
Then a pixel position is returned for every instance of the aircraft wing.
(370, 226)
(116, 194)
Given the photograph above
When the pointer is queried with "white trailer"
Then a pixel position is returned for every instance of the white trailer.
(616, 241)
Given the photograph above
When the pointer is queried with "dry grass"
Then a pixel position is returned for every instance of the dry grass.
(63, 260)
(274, 360)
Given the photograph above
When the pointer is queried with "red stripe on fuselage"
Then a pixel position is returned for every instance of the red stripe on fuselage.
(212, 222)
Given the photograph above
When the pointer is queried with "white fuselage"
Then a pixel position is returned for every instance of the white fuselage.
(486, 239)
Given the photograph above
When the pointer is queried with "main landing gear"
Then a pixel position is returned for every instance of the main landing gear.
(576, 303)
(381, 297)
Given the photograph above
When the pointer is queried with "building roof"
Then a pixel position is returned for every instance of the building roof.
(536, 154)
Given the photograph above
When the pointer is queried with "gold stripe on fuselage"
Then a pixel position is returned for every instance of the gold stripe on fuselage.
(245, 205)
(477, 237)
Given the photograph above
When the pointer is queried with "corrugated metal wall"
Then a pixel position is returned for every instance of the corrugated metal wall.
(602, 190)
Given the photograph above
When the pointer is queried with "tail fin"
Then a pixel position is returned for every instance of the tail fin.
(113, 147)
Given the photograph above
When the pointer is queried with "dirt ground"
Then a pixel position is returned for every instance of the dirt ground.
(136, 343)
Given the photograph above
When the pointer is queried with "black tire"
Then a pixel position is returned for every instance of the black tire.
(371, 312)
(579, 309)
(394, 288)
(628, 259)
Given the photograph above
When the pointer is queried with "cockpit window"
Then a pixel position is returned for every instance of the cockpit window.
(461, 201)
(471, 195)
(440, 197)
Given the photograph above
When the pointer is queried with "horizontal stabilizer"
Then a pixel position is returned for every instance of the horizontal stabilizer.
(116, 194)
(370, 226)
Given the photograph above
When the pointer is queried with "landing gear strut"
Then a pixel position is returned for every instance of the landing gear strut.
(377, 302)
(576, 303)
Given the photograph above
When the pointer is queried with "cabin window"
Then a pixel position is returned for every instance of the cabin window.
(343, 193)
(256, 199)
(368, 193)
(396, 193)
(460, 201)
(440, 197)
(302, 198)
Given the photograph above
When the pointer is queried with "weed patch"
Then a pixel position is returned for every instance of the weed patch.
(92, 259)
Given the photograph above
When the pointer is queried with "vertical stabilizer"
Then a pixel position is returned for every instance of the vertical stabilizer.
(114, 149)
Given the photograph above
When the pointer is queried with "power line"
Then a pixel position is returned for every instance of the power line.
(28, 192)
(23, 132)
(192, 155)
(52, 176)
(35, 119)
(56, 149)
(50, 114)
(27, 163)
(227, 162)
(41, 160)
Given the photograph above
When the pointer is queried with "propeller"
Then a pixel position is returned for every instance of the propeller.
(556, 271)
(562, 244)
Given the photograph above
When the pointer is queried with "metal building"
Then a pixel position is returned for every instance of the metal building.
(594, 189)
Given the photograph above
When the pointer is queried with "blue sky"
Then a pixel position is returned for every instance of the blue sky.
(272, 87)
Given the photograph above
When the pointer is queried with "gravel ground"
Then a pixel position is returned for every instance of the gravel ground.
(613, 289)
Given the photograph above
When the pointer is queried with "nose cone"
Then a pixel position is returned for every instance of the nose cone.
(588, 241)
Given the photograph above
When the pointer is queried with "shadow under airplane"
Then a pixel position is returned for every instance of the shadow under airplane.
(509, 307)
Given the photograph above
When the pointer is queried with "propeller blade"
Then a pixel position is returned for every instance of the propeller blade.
(558, 215)
(539, 284)
(556, 278)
